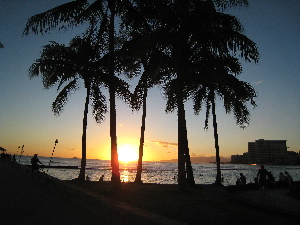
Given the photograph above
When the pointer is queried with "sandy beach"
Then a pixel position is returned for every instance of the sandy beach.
(28, 201)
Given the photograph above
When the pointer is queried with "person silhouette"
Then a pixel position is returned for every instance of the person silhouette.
(288, 179)
(101, 178)
(13, 159)
(242, 179)
(262, 178)
(34, 163)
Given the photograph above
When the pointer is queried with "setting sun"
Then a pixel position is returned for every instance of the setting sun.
(127, 153)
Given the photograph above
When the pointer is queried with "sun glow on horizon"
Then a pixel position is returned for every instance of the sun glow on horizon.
(127, 153)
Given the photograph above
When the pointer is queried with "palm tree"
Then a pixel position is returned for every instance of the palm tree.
(244, 117)
(152, 16)
(64, 65)
(235, 94)
(101, 14)
(195, 30)
(149, 78)
(141, 53)
(67, 65)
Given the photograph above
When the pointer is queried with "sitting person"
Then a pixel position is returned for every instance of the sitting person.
(101, 178)
(34, 163)
(288, 179)
(241, 180)
(281, 177)
(270, 177)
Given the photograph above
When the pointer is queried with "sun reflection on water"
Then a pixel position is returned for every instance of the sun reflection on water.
(125, 176)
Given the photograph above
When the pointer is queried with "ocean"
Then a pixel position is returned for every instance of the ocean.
(157, 172)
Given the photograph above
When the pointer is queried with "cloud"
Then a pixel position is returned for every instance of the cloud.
(165, 144)
(200, 155)
(258, 82)
(193, 155)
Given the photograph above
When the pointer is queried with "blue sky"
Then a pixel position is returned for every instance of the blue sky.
(26, 117)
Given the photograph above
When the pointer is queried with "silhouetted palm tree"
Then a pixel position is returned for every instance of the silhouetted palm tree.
(141, 54)
(101, 14)
(195, 31)
(150, 77)
(67, 65)
(219, 79)
(180, 29)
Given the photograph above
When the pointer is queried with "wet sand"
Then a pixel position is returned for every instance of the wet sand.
(27, 201)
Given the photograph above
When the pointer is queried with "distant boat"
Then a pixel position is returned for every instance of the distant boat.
(75, 158)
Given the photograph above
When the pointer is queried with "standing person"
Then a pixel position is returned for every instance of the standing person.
(34, 163)
(288, 179)
(13, 159)
(262, 178)
(281, 179)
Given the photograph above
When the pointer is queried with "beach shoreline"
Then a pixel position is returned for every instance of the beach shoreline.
(207, 204)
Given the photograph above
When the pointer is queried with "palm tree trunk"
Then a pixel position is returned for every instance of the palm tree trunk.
(188, 165)
(138, 178)
(215, 125)
(83, 157)
(182, 139)
(181, 52)
(115, 178)
(189, 168)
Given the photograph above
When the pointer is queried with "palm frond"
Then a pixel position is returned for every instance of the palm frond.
(98, 102)
(63, 96)
(208, 106)
(97, 9)
(224, 4)
(60, 17)
(57, 64)
(122, 90)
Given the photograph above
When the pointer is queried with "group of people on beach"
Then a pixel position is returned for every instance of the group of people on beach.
(285, 179)
(242, 180)
(8, 157)
(101, 179)
(263, 177)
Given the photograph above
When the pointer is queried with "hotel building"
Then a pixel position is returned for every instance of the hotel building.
(267, 151)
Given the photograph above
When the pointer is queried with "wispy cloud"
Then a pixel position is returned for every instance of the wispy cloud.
(193, 155)
(165, 144)
(200, 155)
(258, 82)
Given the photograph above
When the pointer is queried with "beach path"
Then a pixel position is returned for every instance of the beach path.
(24, 200)
(27, 201)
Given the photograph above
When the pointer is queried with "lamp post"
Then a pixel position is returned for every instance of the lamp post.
(56, 141)
(22, 150)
